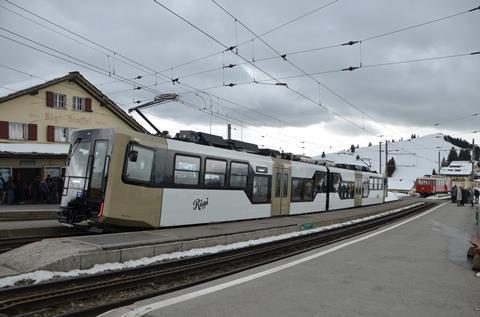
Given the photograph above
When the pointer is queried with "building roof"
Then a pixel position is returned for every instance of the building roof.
(460, 168)
(76, 77)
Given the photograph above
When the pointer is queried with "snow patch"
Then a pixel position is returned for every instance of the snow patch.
(40, 276)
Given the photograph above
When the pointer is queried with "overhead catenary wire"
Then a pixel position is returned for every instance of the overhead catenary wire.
(229, 48)
(143, 67)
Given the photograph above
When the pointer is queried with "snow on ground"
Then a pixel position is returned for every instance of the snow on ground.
(413, 158)
(40, 276)
(439, 196)
(393, 196)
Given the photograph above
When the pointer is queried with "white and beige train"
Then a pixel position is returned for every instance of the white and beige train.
(117, 178)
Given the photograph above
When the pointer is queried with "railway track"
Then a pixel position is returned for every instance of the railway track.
(99, 293)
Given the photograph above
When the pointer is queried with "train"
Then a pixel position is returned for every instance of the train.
(432, 185)
(117, 178)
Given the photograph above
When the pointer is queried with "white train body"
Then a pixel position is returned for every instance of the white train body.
(137, 180)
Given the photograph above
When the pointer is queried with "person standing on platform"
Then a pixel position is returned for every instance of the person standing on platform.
(2, 188)
(10, 190)
(35, 190)
(459, 196)
(453, 194)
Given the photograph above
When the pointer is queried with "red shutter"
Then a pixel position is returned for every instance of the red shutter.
(50, 133)
(50, 99)
(3, 130)
(32, 132)
(88, 105)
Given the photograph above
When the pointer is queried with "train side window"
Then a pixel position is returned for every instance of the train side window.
(297, 189)
(215, 171)
(260, 189)
(278, 184)
(238, 174)
(335, 183)
(139, 165)
(320, 182)
(308, 190)
(285, 185)
(187, 170)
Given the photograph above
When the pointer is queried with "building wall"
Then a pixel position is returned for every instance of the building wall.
(34, 110)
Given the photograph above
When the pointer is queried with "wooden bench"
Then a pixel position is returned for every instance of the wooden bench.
(474, 252)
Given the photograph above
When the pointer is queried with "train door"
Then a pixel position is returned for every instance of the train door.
(358, 189)
(281, 187)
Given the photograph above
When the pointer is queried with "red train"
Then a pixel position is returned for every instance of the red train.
(432, 185)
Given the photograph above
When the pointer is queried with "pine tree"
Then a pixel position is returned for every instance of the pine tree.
(369, 143)
(452, 155)
(444, 162)
(357, 157)
(464, 155)
(391, 167)
(323, 154)
(434, 172)
(352, 148)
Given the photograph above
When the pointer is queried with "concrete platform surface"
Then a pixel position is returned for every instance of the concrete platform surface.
(31, 228)
(86, 251)
(415, 269)
(27, 211)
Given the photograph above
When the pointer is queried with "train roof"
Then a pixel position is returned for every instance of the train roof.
(237, 146)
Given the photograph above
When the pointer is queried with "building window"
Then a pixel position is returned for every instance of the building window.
(215, 172)
(59, 101)
(61, 134)
(17, 131)
(187, 170)
(78, 103)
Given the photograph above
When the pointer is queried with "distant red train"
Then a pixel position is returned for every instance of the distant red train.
(427, 186)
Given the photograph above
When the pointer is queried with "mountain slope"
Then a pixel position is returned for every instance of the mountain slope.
(414, 158)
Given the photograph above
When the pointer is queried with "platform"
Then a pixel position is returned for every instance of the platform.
(28, 212)
(84, 252)
(417, 267)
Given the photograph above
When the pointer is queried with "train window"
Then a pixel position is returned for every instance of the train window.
(365, 190)
(335, 183)
(297, 189)
(187, 170)
(278, 184)
(260, 189)
(308, 190)
(238, 174)
(140, 169)
(320, 182)
(215, 172)
(285, 185)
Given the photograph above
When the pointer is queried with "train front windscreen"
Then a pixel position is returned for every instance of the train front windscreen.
(86, 174)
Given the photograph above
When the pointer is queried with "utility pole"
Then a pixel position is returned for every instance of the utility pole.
(386, 165)
(438, 163)
(473, 160)
(380, 157)
(229, 131)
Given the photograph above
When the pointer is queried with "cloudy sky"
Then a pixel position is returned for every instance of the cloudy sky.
(114, 42)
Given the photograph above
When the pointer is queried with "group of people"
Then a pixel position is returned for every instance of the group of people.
(47, 190)
(463, 196)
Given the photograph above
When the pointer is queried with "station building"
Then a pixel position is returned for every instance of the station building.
(460, 172)
(36, 121)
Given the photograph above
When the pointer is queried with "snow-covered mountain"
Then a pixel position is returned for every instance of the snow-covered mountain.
(413, 158)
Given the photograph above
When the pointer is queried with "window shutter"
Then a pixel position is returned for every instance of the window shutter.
(50, 133)
(50, 99)
(32, 132)
(88, 105)
(3, 130)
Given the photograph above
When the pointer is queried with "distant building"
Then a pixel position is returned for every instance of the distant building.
(460, 172)
(36, 121)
